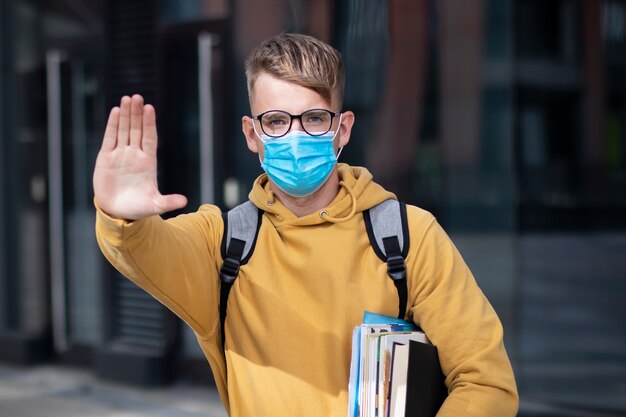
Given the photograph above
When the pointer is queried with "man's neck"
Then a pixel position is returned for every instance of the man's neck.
(303, 206)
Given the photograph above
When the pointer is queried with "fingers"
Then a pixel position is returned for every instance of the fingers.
(110, 133)
(136, 120)
(123, 130)
(149, 140)
(129, 122)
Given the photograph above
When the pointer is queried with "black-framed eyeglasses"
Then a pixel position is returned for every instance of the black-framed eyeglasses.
(315, 122)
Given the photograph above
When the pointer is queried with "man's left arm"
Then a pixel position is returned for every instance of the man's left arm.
(447, 303)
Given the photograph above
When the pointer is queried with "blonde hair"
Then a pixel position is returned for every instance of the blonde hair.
(299, 59)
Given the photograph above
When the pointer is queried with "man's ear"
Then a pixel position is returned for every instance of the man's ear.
(247, 126)
(347, 120)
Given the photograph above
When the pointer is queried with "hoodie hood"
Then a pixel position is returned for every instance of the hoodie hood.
(357, 192)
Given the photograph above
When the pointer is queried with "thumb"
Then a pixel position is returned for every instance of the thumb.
(170, 202)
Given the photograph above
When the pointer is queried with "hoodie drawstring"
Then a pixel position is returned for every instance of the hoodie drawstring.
(324, 214)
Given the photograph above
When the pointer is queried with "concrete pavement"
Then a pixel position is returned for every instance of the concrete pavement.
(51, 391)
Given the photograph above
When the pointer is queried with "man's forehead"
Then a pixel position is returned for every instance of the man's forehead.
(268, 93)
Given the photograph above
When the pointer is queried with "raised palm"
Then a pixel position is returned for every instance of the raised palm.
(125, 177)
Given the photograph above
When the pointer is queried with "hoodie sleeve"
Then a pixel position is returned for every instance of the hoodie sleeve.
(174, 260)
(446, 302)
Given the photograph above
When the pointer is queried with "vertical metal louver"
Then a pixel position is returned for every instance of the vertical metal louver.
(139, 319)
(133, 54)
(132, 62)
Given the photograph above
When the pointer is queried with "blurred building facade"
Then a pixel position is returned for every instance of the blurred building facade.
(505, 118)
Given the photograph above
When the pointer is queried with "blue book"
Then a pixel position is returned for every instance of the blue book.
(374, 318)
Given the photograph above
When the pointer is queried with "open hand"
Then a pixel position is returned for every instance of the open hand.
(125, 177)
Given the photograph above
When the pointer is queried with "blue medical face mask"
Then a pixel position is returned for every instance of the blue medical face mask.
(298, 163)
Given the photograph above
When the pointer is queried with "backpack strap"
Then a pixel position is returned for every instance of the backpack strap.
(388, 231)
(241, 229)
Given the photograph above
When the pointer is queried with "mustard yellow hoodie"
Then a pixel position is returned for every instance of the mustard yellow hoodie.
(292, 309)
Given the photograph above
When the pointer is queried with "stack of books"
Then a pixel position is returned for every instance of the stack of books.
(394, 371)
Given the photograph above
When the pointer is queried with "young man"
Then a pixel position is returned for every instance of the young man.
(292, 309)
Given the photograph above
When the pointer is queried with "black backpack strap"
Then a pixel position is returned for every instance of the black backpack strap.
(241, 229)
(388, 232)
